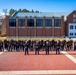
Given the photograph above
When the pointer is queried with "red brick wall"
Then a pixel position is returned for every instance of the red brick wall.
(57, 32)
(21, 32)
(12, 31)
(48, 31)
(7, 25)
(69, 20)
(34, 31)
(39, 31)
(30, 32)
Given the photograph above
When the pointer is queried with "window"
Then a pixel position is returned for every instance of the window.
(71, 33)
(48, 22)
(30, 22)
(57, 22)
(74, 20)
(12, 22)
(0, 32)
(21, 22)
(39, 22)
(71, 27)
(74, 16)
(75, 27)
(0, 26)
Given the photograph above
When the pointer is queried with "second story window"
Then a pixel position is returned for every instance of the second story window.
(12, 22)
(74, 20)
(48, 22)
(39, 22)
(30, 22)
(57, 22)
(74, 16)
(21, 22)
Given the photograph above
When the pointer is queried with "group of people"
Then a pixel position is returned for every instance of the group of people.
(36, 45)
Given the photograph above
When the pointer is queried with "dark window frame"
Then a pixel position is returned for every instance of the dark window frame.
(71, 26)
(12, 22)
(39, 22)
(71, 33)
(74, 20)
(57, 22)
(75, 27)
(30, 22)
(48, 22)
(21, 22)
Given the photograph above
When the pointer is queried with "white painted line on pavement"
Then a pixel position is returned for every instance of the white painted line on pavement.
(38, 72)
(1, 53)
(69, 56)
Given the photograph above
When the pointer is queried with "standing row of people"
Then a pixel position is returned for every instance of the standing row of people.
(36, 45)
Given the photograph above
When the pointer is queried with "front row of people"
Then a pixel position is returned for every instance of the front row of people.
(38, 47)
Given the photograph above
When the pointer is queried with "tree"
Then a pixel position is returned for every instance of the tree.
(32, 11)
(25, 10)
(36, 11)
(19, 10)
(5, 11)
(11, 12)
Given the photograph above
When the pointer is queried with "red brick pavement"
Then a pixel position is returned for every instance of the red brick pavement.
(15, 61)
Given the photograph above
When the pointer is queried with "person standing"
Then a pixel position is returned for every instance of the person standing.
(47, 47)
(26, 48)
(58, 47)
(75, 46)
(37, 47)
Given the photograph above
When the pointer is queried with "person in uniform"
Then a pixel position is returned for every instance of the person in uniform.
(26, 47)
(58, 47)
(17, 46)
(43, 45)
(50, 43)
(0, 46)
(47, 47)
(70, 44)
(53, 44)
(37, 47)
(75, 46)
(6, 44)
(67, 46)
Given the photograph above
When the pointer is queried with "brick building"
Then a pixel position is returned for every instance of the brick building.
(2, 26)
(54, 24)
(70, 25)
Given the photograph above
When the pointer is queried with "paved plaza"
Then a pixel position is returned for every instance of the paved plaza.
(16, 63)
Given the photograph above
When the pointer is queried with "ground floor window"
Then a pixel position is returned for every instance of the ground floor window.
(75, 34)
(71, 33)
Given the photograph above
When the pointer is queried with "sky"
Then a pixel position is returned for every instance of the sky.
(40, 5)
